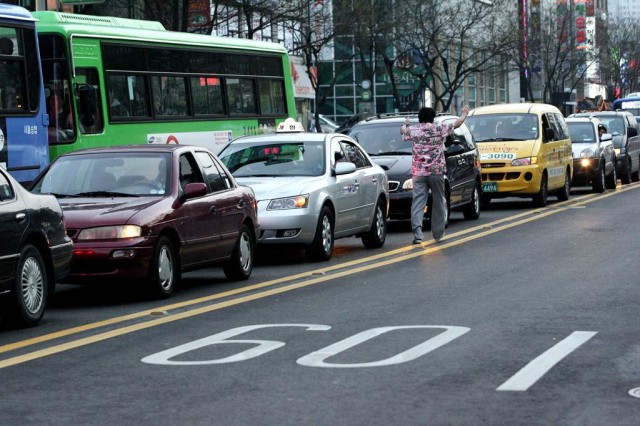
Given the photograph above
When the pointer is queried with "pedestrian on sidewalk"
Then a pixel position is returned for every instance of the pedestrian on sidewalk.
(428, 168)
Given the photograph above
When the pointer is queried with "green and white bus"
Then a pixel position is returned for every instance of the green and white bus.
(111, 81)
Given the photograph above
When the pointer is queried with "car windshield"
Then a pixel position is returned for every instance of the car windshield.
(581, 132)
(381, 139)
(275, 158)
(503, 127)
(107, 174)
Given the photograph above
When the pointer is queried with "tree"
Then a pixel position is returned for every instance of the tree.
(453, 40)
(622, 59)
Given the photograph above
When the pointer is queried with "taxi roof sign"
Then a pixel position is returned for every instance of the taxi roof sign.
(290, 126)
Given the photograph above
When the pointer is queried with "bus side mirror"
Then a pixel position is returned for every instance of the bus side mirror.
(88, 108)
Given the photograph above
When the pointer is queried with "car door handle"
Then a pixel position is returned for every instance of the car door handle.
(212, 210)
(374, 180)
(20, 217)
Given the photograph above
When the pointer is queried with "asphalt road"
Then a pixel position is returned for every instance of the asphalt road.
(526, 316)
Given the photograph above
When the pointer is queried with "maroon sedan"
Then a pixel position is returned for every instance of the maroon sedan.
(151, 212)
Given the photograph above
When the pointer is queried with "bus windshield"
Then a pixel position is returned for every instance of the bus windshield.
(23, 144)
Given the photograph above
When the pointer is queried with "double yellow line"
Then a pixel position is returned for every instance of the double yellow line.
(299, 281)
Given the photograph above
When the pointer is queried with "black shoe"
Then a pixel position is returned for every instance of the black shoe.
(417, 241)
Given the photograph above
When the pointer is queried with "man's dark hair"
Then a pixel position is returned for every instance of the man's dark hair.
(602, 127)
(426, 115)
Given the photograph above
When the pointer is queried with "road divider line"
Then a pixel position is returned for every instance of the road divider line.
(429, 247)
(538, 367)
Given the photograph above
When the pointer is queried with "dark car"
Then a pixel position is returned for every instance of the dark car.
(35, 251)
(150, 212)
(380, 137)
(626, 141)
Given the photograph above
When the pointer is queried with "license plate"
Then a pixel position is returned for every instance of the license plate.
(489, 186)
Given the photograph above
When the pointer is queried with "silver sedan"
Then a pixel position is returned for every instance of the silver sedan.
(312, 188)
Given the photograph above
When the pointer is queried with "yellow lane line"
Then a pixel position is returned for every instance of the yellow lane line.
(174, 317)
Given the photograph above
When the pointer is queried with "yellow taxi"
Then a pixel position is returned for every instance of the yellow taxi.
(525, 151)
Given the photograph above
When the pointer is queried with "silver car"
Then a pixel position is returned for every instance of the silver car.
(311, 188)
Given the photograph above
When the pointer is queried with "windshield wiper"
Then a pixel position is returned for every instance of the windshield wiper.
(258, 175)
(103, 194)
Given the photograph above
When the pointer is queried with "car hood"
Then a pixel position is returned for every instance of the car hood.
(87, 212)
(577, 148)
(521, 149)
(267, 188)
(396, 166)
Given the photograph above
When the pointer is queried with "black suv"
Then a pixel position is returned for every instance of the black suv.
(626, 141)
(380, 137)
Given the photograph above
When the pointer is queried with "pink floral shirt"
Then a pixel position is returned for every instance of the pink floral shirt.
(427, 140)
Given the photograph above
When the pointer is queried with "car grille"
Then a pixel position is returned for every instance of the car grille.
(393, 186)
(493, 165)
(500, 176)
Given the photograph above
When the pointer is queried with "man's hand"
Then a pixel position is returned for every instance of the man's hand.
(459, 121)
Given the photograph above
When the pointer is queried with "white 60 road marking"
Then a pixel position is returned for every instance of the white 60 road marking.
(521, 381)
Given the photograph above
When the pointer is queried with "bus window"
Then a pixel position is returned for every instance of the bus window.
(12, 87)
(271, 97)
(90, 118)
(207, 96)
(241, 96)
(128, 96)
(55, 73)
(169, 96)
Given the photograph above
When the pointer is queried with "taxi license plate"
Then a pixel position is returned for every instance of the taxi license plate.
(489, 186)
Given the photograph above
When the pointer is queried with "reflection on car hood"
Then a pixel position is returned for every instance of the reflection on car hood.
(577, 148)
(85, 212)
(267, 188)
(521, 149)
(397, 166)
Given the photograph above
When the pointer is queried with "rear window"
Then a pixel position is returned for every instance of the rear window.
(381, 139)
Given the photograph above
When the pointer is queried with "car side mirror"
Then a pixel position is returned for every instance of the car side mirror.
(344, 168)
(632, 131)
(606, 137)
(549, 134)
(194, 189)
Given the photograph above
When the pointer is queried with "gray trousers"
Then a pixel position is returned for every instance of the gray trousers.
(421, 185)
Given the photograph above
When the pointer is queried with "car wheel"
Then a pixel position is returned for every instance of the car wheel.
(472, 210)
(612, 179)
(626, 172)
(540, 199)
(598, 181)
(321, 247)
(240, 265)
(163, 271)
(376, 236)
(25, 306)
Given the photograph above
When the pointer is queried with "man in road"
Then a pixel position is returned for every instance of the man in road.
(428, 168)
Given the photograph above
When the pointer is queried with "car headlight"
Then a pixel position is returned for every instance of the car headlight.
(408, 184)
(297, 202)
(526, 161)
(587, 153)
(110, 232)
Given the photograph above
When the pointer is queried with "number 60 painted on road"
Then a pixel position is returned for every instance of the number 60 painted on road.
(520, 381)
(314, 359)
